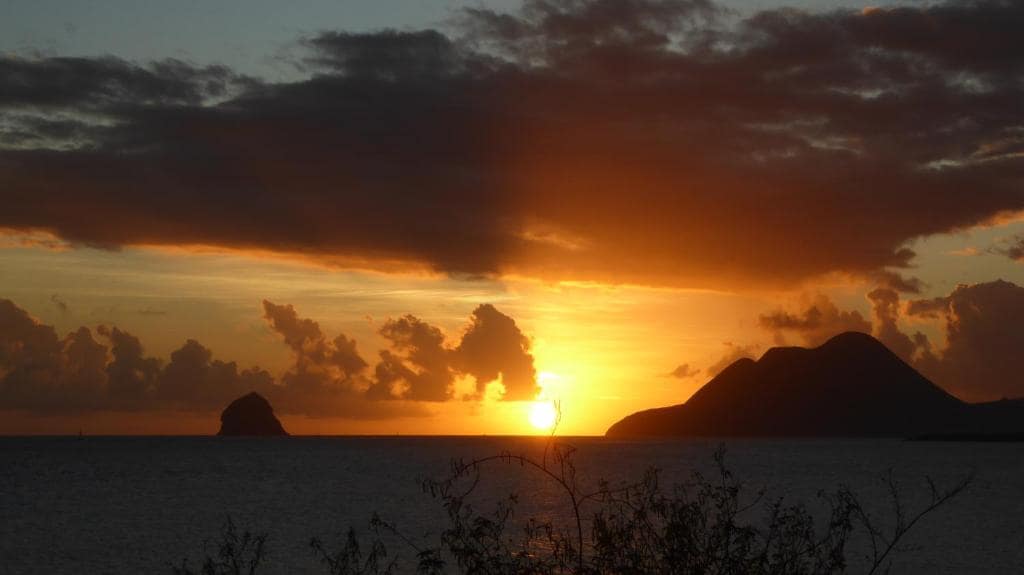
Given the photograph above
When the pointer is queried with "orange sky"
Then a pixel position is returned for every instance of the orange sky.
(426, 230)
(601, 350)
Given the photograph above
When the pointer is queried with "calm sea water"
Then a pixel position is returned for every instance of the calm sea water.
(136, 505)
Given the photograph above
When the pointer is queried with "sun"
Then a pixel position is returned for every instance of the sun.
(543, 415)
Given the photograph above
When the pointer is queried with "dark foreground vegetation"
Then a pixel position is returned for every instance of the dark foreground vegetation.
(706, 525)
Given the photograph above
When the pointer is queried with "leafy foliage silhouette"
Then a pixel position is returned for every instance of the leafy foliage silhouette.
(237, 554)
(706, 525)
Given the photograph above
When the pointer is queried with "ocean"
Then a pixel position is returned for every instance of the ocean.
(141, 504)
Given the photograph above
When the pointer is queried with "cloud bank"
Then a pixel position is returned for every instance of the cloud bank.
(649, 141)
(41, 372)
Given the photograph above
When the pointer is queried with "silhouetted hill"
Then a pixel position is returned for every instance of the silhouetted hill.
(250, 415)
(852, 385)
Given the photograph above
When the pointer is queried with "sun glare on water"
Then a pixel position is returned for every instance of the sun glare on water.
(543, 415)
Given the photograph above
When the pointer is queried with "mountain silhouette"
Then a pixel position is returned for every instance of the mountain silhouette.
(250, 415)
(852, 385)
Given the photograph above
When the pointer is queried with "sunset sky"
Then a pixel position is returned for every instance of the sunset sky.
(425, 218)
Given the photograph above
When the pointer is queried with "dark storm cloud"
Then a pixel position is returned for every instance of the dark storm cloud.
(640, 141)
(97, 84)
(388, 54)
(44, 373)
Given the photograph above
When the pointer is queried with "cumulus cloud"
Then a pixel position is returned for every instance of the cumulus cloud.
(818, 322)
(897, 282)
(83, 363)
(982, 359)
(420, 345)
(822, 319)
(42, 372)
(130, 375)
(733, 353)
(60, 304)
(1016, 251)
(327, 377)
(38, 370)
(672, 144)
(886, 309)
(194, 379)
(422, 366)
(493, 346)
(1012, 247)
(313, 351)
(684, 371)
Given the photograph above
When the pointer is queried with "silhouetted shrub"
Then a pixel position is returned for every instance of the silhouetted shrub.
(705, 525)
(236, 554)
